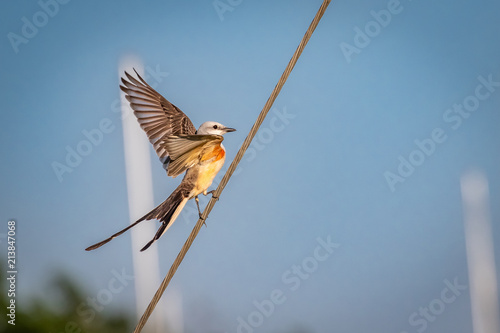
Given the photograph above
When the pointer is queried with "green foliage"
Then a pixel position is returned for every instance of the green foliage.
(43, 316)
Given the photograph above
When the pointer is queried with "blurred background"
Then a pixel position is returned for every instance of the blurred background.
(346, 212)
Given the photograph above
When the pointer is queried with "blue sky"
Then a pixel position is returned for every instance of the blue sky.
(318, 169)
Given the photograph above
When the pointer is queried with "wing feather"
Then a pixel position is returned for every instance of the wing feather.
(185, 151)
(157, 117)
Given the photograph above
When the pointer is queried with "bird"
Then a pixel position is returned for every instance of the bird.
(181, 148)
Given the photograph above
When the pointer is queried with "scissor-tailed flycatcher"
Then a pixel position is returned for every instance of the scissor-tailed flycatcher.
(180, 148)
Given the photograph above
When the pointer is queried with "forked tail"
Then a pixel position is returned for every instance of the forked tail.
(166, 213)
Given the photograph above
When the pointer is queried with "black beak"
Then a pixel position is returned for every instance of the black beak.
(229, 129)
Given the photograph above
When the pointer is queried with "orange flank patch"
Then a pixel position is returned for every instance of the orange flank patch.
(216, 153)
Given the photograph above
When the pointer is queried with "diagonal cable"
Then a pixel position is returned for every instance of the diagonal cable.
(232, 167)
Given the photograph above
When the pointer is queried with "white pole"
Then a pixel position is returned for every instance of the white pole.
(140, 202)
(480, 253)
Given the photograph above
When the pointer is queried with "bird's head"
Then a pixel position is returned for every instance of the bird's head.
(212, 127)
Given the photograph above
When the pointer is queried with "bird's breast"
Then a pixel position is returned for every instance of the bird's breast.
(210, 164)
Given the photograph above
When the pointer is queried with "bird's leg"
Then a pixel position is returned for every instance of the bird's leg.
(212, 193)
(198, 205)
(199, 211)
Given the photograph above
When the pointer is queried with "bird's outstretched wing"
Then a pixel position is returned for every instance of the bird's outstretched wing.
(158, 117)
(188, 150)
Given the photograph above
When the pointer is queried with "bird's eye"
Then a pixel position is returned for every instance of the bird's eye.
(215, 126)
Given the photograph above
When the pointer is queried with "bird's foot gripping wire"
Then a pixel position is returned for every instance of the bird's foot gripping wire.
(199, 211)
(212, 193)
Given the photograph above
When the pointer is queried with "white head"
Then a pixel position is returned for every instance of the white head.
(212, 127)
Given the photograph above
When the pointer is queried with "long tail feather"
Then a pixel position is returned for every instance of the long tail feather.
(166, 213)
(95, 246)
